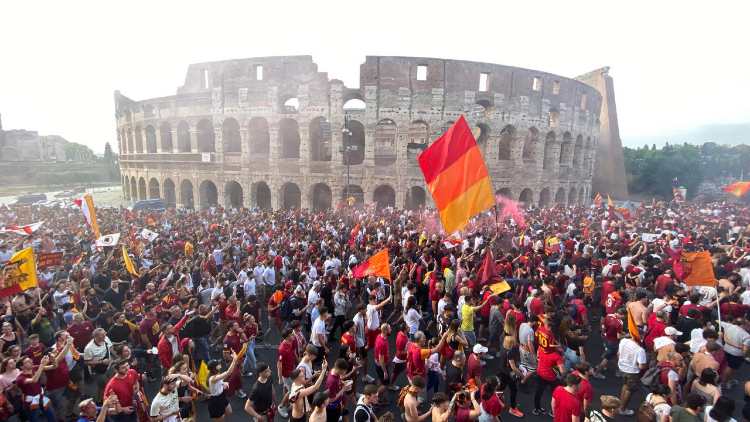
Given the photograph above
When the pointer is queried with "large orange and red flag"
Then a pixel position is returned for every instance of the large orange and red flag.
(738, 189)
(456, 176)
(698, 269)
(377, 265)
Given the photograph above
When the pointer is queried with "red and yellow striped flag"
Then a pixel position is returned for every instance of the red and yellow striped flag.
(598, 200)
(633, 329)
(456, 176)
(377, 265)
(738, 189)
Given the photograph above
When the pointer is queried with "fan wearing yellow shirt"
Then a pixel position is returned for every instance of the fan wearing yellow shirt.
(468, 309)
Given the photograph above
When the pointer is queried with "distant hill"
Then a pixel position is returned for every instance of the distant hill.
(726, 134)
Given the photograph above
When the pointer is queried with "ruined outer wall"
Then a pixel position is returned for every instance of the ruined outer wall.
(205, 145)
(609, 173)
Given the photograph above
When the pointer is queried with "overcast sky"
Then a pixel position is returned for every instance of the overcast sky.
(675, 65)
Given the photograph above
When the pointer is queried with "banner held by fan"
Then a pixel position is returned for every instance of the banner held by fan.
(377, 265)
(19, 273)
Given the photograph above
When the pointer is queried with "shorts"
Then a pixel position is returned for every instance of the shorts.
(734, 362)
(632, 381)
(610, 349)
(217, 405)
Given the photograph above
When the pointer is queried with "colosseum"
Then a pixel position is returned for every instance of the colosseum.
(274, 132)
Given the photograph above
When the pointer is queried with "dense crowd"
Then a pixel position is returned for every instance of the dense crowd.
(216, 285)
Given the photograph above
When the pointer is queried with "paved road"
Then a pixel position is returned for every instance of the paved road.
(267, 353)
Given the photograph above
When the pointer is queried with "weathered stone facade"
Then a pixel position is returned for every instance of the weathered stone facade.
(275, 132)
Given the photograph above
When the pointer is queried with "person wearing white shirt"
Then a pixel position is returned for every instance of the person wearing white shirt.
(319, 334)
(631, 360)
(248, 286)
(165, 406)
(269, 276)
(312, 273)
(313, 296)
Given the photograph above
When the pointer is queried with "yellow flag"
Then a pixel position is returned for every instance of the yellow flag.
(128, 263)
(633, 329)
(202, 376)
(188, 249)
(242, 352)
(500, 287)
(19, 273)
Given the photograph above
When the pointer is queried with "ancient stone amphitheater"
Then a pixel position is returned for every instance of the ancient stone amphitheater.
(274, 132)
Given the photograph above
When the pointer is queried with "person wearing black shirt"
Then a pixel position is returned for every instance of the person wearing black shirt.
(454, 373)
(259, 403)
(510, 358)
(119, 332)
(115, 294)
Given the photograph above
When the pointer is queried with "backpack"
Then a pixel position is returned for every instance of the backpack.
(286, 308)
(653, 375)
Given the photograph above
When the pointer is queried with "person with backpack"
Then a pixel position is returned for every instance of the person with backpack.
(363, 411)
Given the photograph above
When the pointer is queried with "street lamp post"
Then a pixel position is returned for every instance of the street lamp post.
(347, 147)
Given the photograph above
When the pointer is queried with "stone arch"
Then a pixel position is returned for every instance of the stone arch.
(526, 197)
(186, 194)
(415, 198)
(208, 194)
(544, 197)
(153, 189)
(183, 137)
(560, 196)
(578, 152)
(206, 136)
(261, 196)
(354, 143)
(419, 137)
(355, 192)
(165, 135)
(386, 138)
(504, 192)
(150, 139)
(384, 196)
(169, 193)
(322, 199)
(354, 103)
(139, 140)
(230, 135)
(259, 138)
(320, 139)
(291, 196)
(566, 149)
(142, 189)
(529, 144)
(289, 138)
(572, 196)
(233, 195)
(133, 189)
(507, 136)
(549, 151)
(129, 135)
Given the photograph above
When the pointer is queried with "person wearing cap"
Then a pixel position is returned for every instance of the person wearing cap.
(474, 364)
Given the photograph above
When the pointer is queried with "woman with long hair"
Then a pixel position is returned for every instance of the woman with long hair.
(318, 404)
(510, 371)
(412, 316)
(186, 392)
(491, 404)
(218, 404)
(659, 400)
(707, 385)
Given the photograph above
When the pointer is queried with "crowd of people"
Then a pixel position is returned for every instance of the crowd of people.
(183, 334)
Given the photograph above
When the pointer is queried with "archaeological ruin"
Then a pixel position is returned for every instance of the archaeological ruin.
(273, 132)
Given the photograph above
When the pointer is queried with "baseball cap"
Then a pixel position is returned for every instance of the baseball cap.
(478, 348)
(671, 331)
(82, 405)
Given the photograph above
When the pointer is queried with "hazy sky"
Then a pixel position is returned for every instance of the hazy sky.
(675, 65)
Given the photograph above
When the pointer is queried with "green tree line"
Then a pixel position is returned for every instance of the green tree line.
(650, 171)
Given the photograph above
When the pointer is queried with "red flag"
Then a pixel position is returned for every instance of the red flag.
(487, 271)
(353, 235)
(699, 269)
(377, 265)
(738, 189)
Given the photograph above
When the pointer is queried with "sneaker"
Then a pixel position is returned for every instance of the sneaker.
(515, 412)
(394, 387)
(626, 412)
(599, 376)
(369, 378)
(283, 412)
(247, 374)
(537, 412)
(241, 394)
(488, 356)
